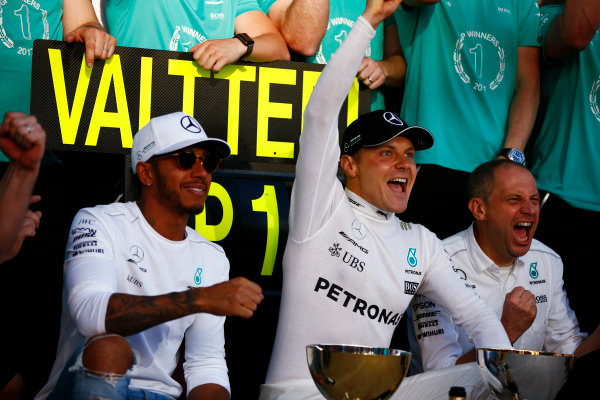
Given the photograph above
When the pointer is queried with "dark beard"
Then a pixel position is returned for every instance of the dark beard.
(172, 199)
(192, 210)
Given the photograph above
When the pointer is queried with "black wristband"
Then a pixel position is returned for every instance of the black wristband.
(247, 41)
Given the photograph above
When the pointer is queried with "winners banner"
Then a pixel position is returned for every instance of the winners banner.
(256, 107)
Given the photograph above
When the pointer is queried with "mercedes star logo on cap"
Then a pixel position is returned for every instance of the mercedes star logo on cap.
(190, 124)
(391, 118)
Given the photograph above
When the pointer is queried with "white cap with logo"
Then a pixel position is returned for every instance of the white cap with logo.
(169, 133)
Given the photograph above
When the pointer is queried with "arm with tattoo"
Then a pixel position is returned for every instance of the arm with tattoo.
(129, 314)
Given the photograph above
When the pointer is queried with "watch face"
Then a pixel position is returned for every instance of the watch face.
(245, 38)
(516, 156)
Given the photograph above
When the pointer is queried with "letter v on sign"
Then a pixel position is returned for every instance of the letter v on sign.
(69, 121)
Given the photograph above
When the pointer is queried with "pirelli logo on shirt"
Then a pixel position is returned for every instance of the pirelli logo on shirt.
(425, 316)
(427, 324)
(83, 239)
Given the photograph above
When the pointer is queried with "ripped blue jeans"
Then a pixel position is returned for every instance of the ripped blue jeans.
(80, 383)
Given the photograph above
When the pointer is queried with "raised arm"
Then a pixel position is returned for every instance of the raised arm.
(526, 99)
(80, 24)
(22, 139)
(302, 23)
(316, 168)
(573, 29)
(337, 77)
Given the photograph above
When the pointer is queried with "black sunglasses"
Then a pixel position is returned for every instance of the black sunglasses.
(187, 159)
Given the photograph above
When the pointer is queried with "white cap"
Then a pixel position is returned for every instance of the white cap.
(169, 133)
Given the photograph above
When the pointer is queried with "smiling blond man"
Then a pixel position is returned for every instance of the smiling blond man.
(351, 265)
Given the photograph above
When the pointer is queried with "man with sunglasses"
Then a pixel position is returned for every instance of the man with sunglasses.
(138, 280)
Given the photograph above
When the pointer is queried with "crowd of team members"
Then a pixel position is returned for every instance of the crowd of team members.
(512, 80)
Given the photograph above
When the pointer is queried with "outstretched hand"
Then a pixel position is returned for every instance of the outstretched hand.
(236, 297)
(22, 139)
(518, 313)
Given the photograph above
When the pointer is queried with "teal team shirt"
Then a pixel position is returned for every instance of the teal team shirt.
(175, 25)
(461, 73)
(566, 154)
(22, 22)
(342, 15)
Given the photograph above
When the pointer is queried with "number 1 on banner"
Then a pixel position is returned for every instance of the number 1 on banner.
(268, 203)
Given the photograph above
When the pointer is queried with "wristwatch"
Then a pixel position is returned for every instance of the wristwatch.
(513, 155)
(248, 42)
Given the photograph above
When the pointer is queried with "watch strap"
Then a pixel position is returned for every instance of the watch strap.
(247, 41)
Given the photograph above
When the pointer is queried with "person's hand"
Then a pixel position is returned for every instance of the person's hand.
(98, 43)
(378, 10)
(518, 313)
(370, 73)
(236, 297)
(212, 55)
(22, 139)
(28, 228)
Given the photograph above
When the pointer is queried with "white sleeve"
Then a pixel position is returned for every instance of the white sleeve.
(468, 311)
(90, 273)
(205, 350)
(313, 193)
(435, 333)
(562, 330)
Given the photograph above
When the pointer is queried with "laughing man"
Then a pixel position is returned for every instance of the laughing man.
(519, 277)
(350, 266)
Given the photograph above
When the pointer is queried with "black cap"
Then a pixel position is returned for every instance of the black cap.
(377, 127)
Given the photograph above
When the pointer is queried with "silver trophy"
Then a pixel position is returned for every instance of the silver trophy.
(356, 372)
(523, 374)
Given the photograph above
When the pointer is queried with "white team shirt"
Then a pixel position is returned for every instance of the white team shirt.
(113, 249)
(555, 328)
(349, 269)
